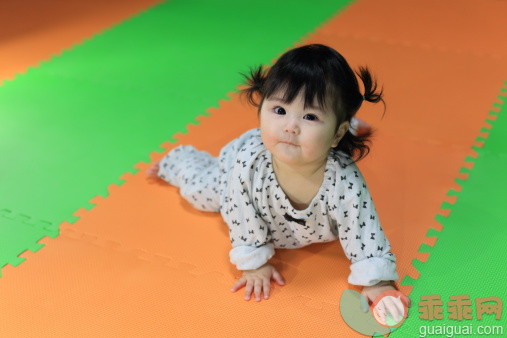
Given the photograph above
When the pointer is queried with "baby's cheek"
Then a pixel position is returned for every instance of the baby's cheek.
(268, 140)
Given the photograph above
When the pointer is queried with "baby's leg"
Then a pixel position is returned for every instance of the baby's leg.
(195, 173)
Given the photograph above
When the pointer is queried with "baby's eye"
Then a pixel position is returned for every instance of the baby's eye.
(310, 117)
(279, 110)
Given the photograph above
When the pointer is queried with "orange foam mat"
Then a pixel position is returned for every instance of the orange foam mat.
(456, 26)
(144, 263)
(31, 30)
(133, 297)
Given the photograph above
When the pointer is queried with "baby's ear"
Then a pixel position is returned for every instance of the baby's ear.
(342, 129)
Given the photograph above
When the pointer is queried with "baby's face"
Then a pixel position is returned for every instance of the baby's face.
(295, 135)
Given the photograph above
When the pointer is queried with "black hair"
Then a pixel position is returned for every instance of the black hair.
(322, 73)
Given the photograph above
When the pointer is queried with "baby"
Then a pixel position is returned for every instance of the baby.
(293, 181)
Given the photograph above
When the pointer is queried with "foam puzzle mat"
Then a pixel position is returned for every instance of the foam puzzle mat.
(89, 246)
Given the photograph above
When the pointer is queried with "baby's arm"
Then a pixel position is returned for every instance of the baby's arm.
(363, 240)
(360, 233)
(252, 246)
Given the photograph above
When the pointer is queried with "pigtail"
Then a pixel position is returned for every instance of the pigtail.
(254, 85)
(371, 93)
(356, 146)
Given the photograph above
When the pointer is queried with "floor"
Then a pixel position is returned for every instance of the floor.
(93, 94)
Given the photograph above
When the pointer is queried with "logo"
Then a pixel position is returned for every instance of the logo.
(459, 307)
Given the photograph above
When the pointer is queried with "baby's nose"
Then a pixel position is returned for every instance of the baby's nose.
(292, 127)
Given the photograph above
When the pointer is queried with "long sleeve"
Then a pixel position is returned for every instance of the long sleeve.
(360, 232)
(249, 234)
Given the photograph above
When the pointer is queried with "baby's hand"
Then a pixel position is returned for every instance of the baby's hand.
(258, 280)
(393, 304)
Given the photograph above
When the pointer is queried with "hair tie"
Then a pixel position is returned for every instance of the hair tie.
(364, 98)
(353, 126)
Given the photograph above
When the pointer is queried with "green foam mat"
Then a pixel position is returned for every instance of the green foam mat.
(72, 126)
(469, 257)
(22, 233)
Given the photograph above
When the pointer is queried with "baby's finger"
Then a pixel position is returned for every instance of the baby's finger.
(248, 289)
(393, 308)
(398, 305)
(258, 289)
(266, 287)
(278, 277)
(239, 284)
(402, 310)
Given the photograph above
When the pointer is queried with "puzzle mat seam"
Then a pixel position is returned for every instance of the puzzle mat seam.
(54, 229)
(49, 225)
(24, 218)
(75, 44)
(168, 262)
(453, 193)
